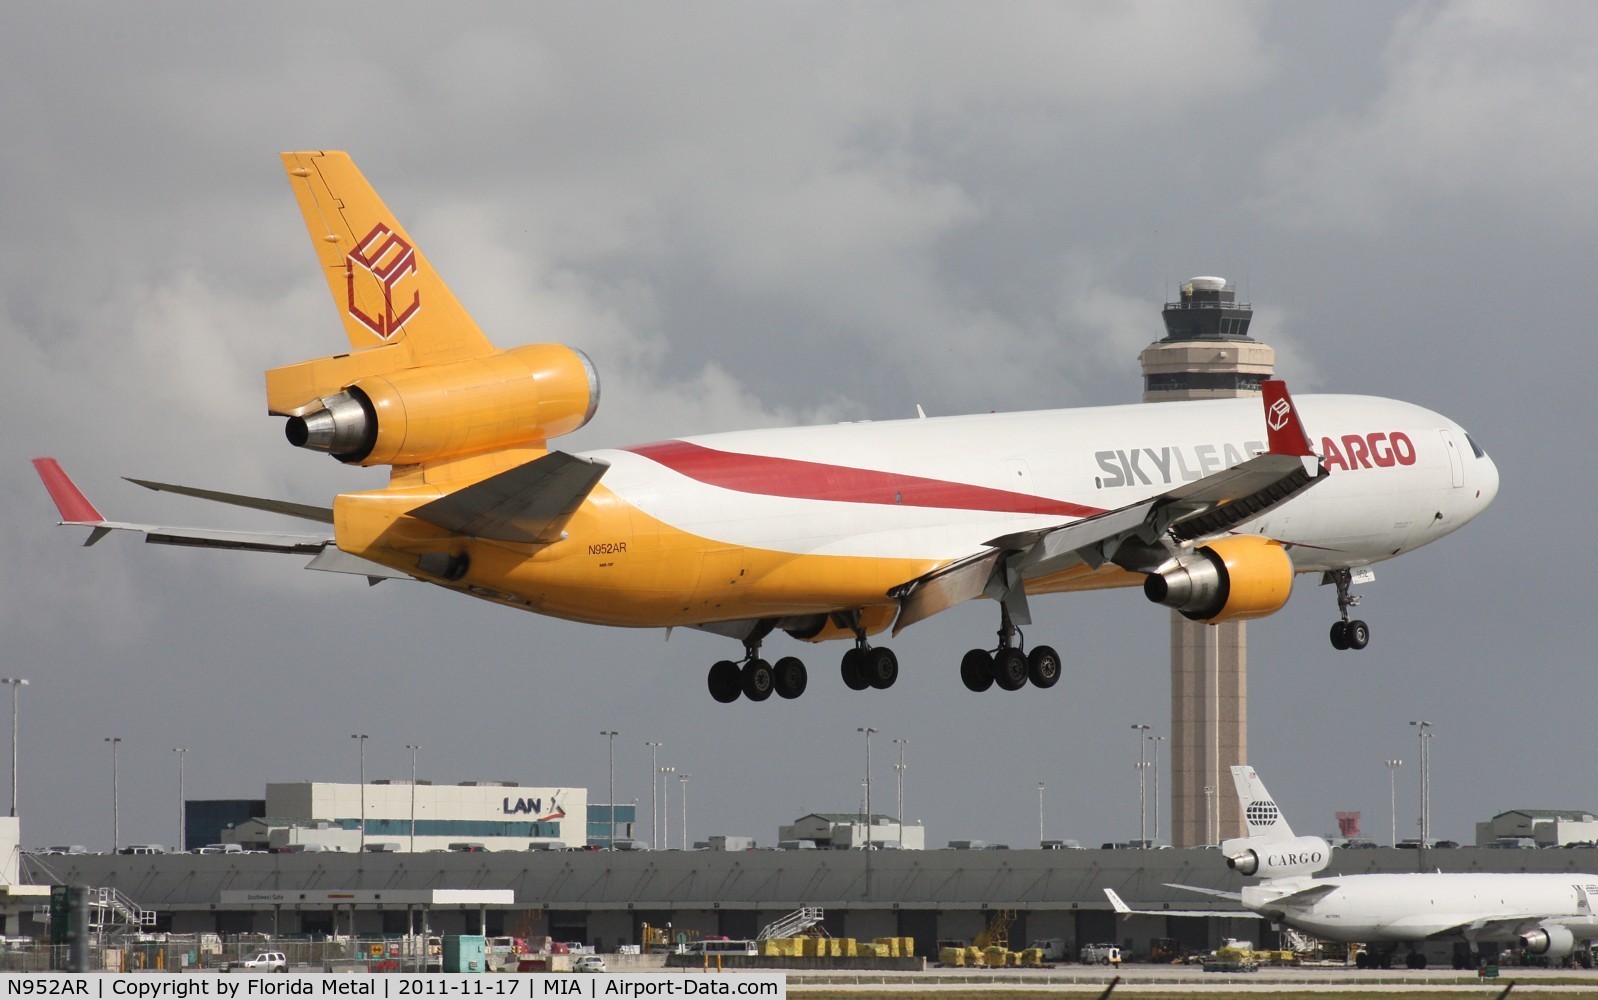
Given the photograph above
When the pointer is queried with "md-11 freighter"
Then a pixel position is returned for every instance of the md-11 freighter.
(833, 532)
(1546, 913)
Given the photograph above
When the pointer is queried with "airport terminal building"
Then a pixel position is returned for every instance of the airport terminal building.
(401, 816)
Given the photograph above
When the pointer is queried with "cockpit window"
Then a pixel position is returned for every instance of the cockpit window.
(1475, 447)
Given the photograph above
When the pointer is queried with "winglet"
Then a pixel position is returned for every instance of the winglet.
(75, 508)
(1284, 432)
(1116, 901)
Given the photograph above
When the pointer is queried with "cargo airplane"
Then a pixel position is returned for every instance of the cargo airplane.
(1544, 913)
(837, 532)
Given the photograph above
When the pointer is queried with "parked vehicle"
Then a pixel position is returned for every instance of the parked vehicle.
(589, 963)
(261, 961)
(1101, 954)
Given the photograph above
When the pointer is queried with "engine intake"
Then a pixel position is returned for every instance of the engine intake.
(1231, 579)
(521, 396)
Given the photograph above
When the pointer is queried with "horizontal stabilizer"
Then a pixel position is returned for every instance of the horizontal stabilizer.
(306, 512)
(1119, 905)
(529, 504)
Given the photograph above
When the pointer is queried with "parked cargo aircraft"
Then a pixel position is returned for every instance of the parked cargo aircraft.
(1547, 914)
(819, 532)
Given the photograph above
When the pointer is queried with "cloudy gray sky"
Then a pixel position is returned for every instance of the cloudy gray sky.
(755, 215)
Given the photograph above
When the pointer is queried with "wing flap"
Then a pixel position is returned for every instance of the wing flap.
(529, 504)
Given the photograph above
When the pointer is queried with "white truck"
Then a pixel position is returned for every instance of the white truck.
(1101, 954)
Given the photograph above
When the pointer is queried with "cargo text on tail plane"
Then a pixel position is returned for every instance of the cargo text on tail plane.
(837, 532)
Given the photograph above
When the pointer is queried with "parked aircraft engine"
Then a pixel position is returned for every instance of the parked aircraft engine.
(1553, 940)
(1277, 858)
(522, 396)
(1231, 579)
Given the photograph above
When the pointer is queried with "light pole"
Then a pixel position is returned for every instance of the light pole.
(1040, 814)
(15, 682)
(611, 734)
(362, 738)
(899, 772)
(1142, 791)
(664, 780)
(682, 793)
(1209, 814)
(1157, 740)
(654, 787)
(1392, 796)
(1425, 781)
(868, 731)
(116, 817)
(181, 752)
(413, 747)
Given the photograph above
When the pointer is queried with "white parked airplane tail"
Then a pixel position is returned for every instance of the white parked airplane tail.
(1271, 850)
(1264, 819)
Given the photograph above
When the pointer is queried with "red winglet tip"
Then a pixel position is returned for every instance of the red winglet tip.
(69, 500)
(1284, 432)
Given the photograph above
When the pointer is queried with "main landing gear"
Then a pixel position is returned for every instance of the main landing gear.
(868, 666)
(756, 679)
(1347, 634)
(1009, 666)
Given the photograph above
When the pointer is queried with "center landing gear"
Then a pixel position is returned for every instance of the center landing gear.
(868, 666)
(1008, 666)
(756, 679)
(1347, 634)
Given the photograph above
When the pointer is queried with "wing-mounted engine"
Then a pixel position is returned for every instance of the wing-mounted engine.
(1270, 858)
(1230, 579)
(1553, 940)
(521, 396)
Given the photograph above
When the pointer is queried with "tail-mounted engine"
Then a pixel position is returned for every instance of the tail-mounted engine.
(1276, 858)
(1231, 579)
(520, 396)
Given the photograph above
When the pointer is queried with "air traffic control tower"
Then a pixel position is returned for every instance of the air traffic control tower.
(1206, 354)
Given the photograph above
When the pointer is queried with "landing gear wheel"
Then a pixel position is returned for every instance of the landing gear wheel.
(1358, 634)
(853, 669)
(791, 677)
(726, 681)
(1043, 666)
(1009, 669)
(976, 670)
(1362, 961)
(758, 681)
(1339, 635)
(881, 667)
(1415, 960)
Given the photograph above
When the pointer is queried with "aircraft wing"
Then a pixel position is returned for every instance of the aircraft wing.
(528, 504)
(75, 509)
(1139, 536)
(1120, 907)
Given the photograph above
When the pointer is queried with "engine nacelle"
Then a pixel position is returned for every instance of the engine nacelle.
(1553, 940)
(1231, 579)
(1277, 858)
(517, 397)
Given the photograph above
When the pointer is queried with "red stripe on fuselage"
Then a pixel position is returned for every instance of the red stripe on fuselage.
(800, 480)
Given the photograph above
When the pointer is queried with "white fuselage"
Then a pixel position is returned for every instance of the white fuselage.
(1400, 476)
(1412, 907)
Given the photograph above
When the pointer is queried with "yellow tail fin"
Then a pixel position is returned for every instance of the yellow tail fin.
(384, 288)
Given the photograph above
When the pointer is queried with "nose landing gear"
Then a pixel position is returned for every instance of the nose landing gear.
(1347, 633)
